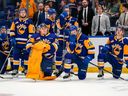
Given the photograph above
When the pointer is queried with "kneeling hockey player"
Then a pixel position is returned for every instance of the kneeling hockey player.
(113, 52)
(43, 47)
(80, 50)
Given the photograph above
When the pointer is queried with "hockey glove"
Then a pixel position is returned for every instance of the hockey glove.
(105, 49)
(72, 38)
(86, 60)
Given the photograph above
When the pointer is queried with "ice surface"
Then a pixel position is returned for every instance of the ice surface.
(92, 86)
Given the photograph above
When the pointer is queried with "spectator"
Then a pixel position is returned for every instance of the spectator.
(17, 5)
(52, 4)
(100, 23)
(123, 19)
(39, 16)
(61, 6)
(10, 17)
(114, 12)
(85, 17)
(31, 7)
(46, 8)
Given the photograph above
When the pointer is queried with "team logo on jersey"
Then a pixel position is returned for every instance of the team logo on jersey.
(78, 48)
(5, 45)
(21, 29)
(116, 49)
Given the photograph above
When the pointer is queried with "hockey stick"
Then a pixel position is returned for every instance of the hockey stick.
(103, 70)
(108, 71)
(5, 64)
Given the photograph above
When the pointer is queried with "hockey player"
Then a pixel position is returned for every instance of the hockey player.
(45, 63)
(4, 48)
(80, 50)
(63, 23)
(113, 52)
(20, 31)
(50, 21)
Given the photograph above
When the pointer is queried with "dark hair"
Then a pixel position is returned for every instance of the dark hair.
(125, 5)
(46, 4)
(119, 27)
(101, 7)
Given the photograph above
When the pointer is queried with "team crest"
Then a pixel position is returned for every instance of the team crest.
(116, 49)
(5, 45)
(21, 29)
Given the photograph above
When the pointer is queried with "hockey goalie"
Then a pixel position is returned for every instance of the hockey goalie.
(42, 47)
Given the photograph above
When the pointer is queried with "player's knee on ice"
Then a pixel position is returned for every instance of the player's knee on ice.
(46, 67)
(117, 73)
(82, 74)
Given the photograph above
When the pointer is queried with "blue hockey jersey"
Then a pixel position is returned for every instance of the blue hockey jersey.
(83, 47)
(21, 30)
(52, 39)
(117, 47)
(51, 24)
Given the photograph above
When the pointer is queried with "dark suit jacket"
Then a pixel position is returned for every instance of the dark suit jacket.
(41, 18)
(86, 30)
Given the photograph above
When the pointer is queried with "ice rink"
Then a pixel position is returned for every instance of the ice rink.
(92, 86)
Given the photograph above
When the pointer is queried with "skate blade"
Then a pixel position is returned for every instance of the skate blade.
(15, 76)
(100, 78)
(67, 79)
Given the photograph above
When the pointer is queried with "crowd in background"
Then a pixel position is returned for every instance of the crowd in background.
(95, 17)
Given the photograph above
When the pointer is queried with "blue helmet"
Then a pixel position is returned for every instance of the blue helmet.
(51, 11)
(72, 28)
(66, 6)
(3, 27)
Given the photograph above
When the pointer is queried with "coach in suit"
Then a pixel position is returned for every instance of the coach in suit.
(85, 17)
(39, 16)
(123, 19)
(100, 23)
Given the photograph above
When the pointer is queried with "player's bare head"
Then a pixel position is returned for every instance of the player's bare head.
(43, 29)
(85, 3)
(23, 12)
(119, 31)
(74, 30)
(100, 9)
